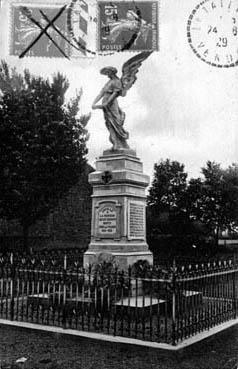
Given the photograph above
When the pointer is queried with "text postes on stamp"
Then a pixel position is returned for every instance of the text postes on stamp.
(127, 25)
(212, 32)
(34, 22)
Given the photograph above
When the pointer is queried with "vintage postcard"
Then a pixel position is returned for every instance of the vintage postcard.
(118, 184)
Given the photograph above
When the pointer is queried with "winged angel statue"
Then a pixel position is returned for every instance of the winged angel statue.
(115, 87)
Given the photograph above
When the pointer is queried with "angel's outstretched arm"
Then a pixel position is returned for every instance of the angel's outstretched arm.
(98, 98)
(105, 104)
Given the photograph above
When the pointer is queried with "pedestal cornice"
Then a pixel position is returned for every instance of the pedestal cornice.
(120, 176)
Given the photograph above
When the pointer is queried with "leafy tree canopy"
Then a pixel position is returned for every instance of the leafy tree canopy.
(42, 147)
(168, 186)
(214, 199)
(165, 212)
(176, 205)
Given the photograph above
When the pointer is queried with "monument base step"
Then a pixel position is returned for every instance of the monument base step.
(124, 260)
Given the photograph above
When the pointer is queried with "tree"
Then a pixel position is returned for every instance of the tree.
(166, 197)
(213, 200)
(231, 195)
(168, 186)
(42, 147)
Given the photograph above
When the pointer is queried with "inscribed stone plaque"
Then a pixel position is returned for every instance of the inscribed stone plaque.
(107, 224)
(136, 226)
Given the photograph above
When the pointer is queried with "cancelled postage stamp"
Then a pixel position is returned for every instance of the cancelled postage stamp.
(38, 31)
(127, 25)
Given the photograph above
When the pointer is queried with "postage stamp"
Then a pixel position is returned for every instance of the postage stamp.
(38, 31)
(127, 25)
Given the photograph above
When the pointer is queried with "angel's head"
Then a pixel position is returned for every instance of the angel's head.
(109, 71)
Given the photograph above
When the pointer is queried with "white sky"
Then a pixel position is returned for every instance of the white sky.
(180, 107)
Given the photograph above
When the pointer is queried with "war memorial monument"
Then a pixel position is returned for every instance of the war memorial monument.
(118, 201)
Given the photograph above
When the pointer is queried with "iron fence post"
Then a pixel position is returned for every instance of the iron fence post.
(12, 287)
(173, 303)
(64, 291)
(234, 288)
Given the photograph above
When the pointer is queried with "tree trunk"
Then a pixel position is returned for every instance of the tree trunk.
(26, 237)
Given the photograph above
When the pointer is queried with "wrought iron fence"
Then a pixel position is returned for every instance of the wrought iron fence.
(205, 296)
(149, 304)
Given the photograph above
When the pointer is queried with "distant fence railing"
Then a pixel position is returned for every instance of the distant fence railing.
(45, 259)
(149, 304)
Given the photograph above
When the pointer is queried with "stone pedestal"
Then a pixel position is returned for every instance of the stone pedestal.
(118, 209)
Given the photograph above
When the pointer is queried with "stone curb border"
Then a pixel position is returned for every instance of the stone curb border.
(124, 340)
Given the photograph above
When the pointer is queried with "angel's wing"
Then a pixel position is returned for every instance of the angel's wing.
(130, 69)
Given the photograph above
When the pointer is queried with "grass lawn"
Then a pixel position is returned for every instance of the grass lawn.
(54, 351)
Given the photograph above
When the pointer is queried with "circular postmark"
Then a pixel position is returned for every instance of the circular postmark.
(212, 32)
(106, 27)
(81, 19)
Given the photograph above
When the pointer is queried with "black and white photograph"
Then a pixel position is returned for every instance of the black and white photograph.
(119, 184)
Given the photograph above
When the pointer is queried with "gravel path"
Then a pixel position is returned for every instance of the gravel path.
(56, 351)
